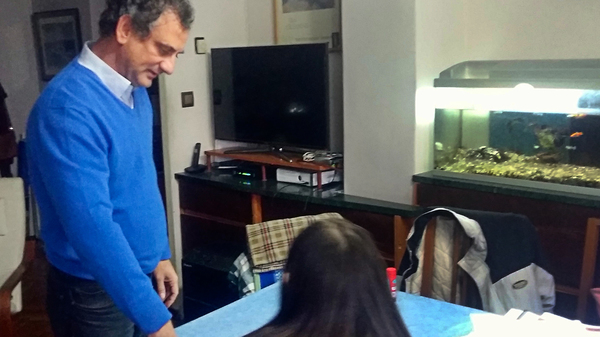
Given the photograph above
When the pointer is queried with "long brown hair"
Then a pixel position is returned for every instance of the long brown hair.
(337, 287)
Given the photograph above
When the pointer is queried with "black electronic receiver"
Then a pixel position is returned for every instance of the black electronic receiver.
(196, 167)
(248, 171)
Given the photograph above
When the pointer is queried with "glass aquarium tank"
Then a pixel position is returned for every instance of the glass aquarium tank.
(528, 120)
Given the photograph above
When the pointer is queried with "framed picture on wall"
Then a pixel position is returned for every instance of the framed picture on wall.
(57, 38)
(308, 21)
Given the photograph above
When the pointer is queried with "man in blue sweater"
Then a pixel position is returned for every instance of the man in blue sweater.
(92, 171)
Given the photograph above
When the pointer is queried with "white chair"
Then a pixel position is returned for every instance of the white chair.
(12, 250)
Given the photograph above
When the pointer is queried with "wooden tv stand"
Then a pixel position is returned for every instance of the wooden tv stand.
(271, 159)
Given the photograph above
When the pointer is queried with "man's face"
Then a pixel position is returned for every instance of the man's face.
(146, 58)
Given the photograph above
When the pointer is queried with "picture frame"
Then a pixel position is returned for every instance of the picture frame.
(57, 40)
(308, 21)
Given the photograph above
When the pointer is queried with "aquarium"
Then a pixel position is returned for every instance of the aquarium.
(525, 120)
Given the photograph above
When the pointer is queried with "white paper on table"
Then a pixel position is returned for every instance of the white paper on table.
(525, 324)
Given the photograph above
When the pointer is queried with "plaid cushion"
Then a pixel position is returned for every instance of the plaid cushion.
(270, 241)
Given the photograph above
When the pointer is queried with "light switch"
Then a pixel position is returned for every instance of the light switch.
(187, 99)
(201, 46)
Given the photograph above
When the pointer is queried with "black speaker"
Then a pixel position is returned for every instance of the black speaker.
(206, 286)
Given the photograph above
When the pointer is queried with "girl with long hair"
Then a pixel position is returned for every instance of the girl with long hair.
(335, 284)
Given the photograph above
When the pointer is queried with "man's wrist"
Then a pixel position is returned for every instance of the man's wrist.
(166, 330)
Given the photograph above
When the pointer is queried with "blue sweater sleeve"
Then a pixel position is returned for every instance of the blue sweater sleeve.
(74, 152)
(166, 252)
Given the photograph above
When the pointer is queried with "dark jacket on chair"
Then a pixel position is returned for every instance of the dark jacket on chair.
(505, 260)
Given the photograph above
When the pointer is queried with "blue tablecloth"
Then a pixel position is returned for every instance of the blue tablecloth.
(423, 316)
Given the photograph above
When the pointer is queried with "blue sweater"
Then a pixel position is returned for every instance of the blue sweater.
(94, 178)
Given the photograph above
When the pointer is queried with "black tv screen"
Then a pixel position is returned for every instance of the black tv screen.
(277, 95)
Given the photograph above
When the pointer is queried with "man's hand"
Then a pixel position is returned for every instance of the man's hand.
(166, 331)
(167, 284)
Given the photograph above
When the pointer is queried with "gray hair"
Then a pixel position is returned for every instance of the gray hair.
(144, 14)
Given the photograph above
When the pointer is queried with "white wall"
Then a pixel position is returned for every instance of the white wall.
(221, 23)
(441, 42)
(379, 98)
(96, 8)
(261, 21)
(532, 29)
(18, 67)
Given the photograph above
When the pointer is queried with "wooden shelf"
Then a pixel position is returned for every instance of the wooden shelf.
(271, 160)
(216, 207)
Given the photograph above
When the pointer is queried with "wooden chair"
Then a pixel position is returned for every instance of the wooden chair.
(462, 281)
(6, 324)
(459, 279)
(14, 257)
(461, 243)
(588, 268)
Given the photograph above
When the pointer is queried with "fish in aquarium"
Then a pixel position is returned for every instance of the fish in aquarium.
(550, 147)
(550, 143)
(548, 138)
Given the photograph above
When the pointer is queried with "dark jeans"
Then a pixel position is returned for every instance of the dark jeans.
(81, 308)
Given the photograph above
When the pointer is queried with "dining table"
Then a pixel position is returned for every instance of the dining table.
(423, 316)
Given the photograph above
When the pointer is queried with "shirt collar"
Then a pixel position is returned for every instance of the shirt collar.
(115, 82)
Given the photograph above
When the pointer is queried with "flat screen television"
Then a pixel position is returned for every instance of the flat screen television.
(275, 95)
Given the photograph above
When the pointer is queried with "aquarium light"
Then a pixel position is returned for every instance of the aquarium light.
(524, 86)
(524, 97)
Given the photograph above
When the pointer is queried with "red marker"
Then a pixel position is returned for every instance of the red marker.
(391, 275)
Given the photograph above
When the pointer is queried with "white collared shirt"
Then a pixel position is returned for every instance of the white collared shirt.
(115, 82)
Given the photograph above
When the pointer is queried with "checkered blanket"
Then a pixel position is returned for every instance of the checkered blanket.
(269, 242)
